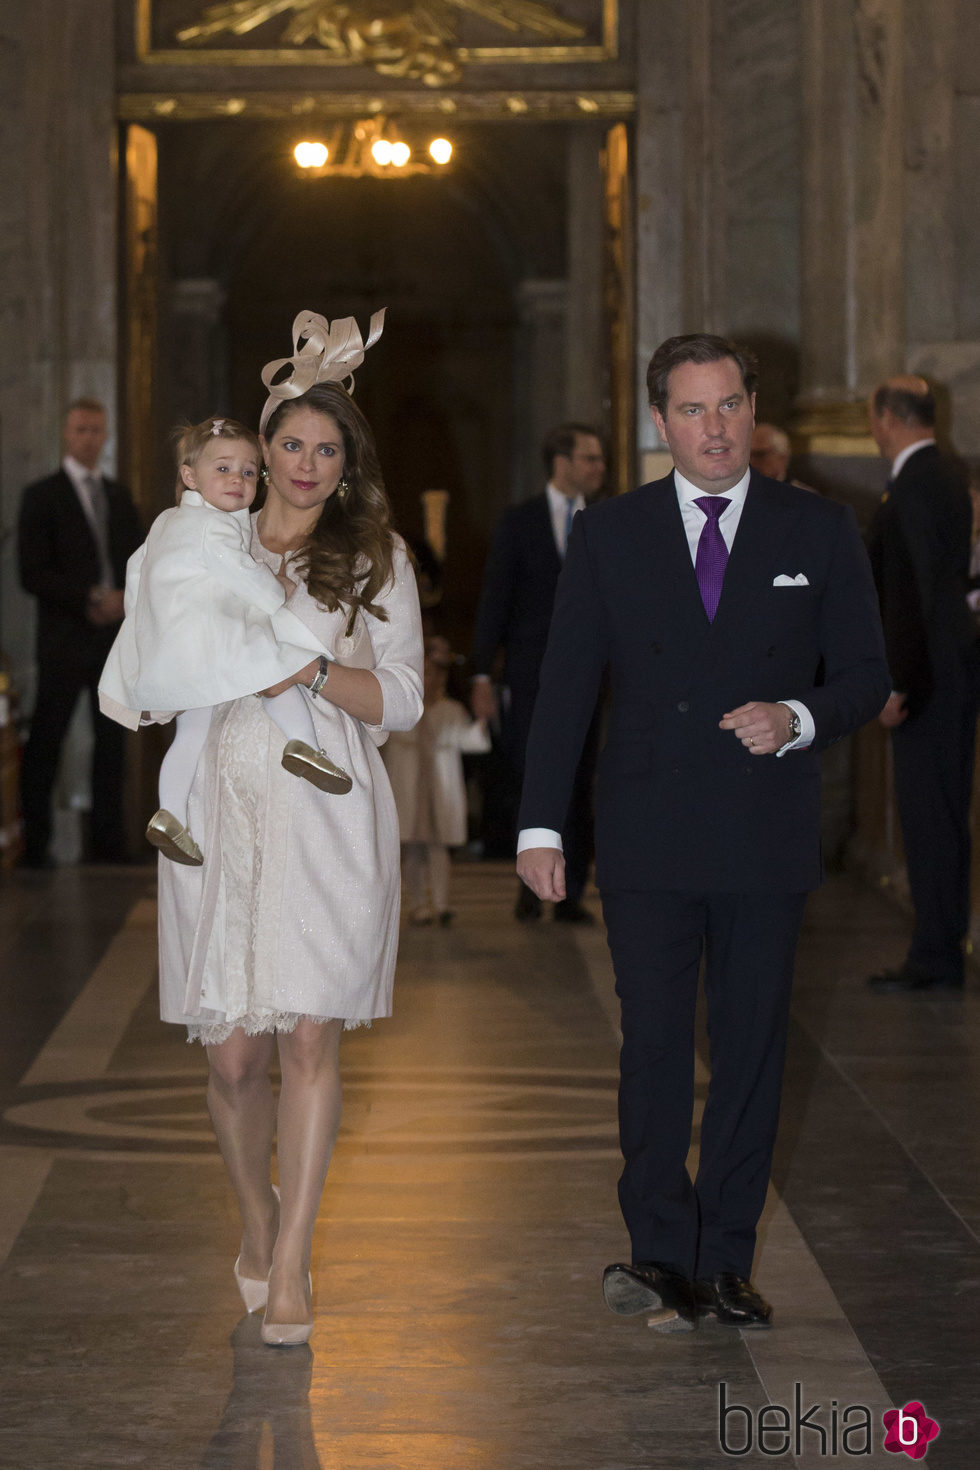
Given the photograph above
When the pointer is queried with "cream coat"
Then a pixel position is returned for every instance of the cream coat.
(204, 622)
(447, 730)
(295, 911)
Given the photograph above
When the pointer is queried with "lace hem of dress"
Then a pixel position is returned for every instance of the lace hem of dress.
(257, 1023)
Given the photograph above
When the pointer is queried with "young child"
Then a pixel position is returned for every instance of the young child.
(425, 768)
(205, 623)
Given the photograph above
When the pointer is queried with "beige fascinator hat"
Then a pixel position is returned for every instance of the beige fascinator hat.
(323, 352)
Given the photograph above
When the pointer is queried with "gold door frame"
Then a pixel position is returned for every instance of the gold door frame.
(619, 301)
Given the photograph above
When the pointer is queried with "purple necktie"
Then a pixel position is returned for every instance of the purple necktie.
(712, 557)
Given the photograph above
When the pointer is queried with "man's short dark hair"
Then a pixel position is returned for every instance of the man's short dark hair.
(908, 407)
(699, 347)
(85, 405)
(561, 440)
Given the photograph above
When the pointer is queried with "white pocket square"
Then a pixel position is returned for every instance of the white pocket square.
(800, 580)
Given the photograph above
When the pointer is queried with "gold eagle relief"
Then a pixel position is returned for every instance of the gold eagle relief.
(415, 41)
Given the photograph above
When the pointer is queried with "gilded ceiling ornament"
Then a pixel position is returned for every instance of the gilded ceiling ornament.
(395, 38)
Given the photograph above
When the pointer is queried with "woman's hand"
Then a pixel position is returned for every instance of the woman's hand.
(304, 676)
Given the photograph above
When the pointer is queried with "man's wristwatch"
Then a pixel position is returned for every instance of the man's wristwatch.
(795, 727)
(323, 673)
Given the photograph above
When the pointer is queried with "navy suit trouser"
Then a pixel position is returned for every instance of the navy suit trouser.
(748, 943)
(58, 692)
(933, 780)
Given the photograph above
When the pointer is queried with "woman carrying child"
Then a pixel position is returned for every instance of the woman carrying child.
(288, 932)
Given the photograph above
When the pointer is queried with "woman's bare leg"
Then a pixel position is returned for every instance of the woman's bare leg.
(309, 1116)
(242, 1107)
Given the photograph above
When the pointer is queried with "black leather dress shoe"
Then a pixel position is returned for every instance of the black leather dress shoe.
(909, 977)
(733, 1300)
(570, 911)
(650, 1286)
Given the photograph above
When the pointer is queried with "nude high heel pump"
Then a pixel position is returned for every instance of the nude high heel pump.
(255, 1294)
(287, 1334)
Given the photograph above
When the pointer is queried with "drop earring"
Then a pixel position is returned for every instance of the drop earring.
(342, 488)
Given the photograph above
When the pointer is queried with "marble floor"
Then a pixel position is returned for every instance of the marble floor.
(470, 1209)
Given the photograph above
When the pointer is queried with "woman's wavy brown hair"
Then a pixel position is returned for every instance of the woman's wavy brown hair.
(348, 559)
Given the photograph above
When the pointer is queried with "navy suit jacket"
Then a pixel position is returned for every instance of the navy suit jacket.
(680, 804)
(919, 544)
(59, 564)
(516, 603)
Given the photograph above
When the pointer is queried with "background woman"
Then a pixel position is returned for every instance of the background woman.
(288, 932)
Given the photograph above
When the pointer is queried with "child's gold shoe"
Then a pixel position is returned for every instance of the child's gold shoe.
(173, 840)
(300, 759)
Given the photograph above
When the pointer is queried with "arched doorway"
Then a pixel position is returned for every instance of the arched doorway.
(472, 265)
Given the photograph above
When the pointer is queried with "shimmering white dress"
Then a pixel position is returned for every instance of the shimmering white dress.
(295, 911)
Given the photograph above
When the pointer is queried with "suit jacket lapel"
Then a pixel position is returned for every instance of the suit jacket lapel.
(545, 531)
(764, 523)
(73, 510)
(666, 556)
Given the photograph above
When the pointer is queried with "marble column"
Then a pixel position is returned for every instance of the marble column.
(198, 372)
(942, 129)
(540, 379)
(58, 308)
(587, 352)
(661, 118)
(853, 287)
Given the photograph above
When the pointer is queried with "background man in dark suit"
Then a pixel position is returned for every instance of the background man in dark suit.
(711, 597)
(77, 530)
(919, 542)
(516, 601)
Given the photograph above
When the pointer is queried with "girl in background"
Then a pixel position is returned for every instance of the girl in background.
(425, 768)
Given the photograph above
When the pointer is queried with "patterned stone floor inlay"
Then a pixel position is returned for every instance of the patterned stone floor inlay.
(469, 1212)
(479, 1110)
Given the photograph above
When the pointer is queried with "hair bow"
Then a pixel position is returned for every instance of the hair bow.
(323, 352)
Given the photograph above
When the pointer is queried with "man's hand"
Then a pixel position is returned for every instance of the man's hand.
(483, 701)
(543, 870)
(762, 728)
(105, 606)
(895, 712)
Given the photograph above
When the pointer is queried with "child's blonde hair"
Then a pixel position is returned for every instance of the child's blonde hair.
(192, 439)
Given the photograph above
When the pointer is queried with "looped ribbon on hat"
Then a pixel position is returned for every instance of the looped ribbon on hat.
(323, 352)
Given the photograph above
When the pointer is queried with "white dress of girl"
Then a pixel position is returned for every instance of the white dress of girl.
(204, 622)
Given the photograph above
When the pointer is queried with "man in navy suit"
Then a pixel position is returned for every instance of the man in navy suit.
(76, 532)
(919, 542)
(737, 620)
(516, 602)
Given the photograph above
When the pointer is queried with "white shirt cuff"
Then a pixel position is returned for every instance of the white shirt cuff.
(808, 729)
(538, 837)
